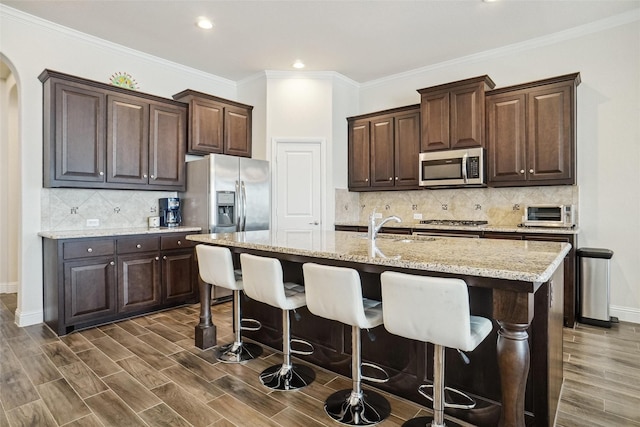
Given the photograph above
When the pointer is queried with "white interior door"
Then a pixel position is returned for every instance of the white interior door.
(298, 185)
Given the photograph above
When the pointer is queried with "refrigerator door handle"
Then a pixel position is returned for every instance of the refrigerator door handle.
(244, 206)
(238, 206)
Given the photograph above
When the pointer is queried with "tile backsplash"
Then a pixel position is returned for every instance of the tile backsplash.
(69, 209)
(498, 206)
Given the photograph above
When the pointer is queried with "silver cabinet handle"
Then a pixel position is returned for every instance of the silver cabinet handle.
(366, 180)
(157, 258)
(153, 177)
(145, 175)
(530, 170)
(390, 178)
(90, 250)
(101, 173)
(521, 170)
(396, 178)
(164, 257)
(179, 242)
(112, 263)
(138, 246)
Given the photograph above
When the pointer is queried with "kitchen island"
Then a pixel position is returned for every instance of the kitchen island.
(515, 374)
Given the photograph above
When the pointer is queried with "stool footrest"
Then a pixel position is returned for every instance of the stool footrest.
(302, 352)
(450, 393)
(255, 322)
(377, 368)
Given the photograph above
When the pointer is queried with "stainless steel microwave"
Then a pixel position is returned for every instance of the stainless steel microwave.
(452, 168)
(549, 216)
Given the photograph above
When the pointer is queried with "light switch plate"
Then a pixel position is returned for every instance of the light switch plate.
(417, 216)
(93, 222)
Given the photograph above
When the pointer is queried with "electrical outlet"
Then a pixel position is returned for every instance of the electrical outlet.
(377, 215)
(417, 216)
(93, 222)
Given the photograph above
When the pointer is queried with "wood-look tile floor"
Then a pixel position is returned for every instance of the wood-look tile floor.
(147, 372)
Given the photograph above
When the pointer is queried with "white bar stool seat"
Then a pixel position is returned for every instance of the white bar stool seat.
(216, 268)
(435, 310)
(263, 281)
(336, 293)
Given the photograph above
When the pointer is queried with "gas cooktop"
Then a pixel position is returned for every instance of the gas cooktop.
(453, 222)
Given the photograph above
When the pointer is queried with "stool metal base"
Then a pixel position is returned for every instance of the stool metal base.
(349, 408)
(428, 422)
(237, 352)
(287, 377)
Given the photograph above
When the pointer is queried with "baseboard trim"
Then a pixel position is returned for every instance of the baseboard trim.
(625, 314)
(28, 319)
(9, 288)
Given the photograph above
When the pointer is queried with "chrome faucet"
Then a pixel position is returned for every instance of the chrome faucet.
(373, 229)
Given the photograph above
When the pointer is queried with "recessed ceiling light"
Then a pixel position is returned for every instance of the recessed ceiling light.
(298, 64)
(204, 23)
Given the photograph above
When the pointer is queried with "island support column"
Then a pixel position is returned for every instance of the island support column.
(514, 312)
(205, 331)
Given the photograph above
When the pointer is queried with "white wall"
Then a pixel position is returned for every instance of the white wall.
(9, 188)
(607, 55)
(313, 105)
(32, 45)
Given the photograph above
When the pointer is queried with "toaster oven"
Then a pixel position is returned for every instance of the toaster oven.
(549, 216)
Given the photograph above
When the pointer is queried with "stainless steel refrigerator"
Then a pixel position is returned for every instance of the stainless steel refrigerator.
(226, 194)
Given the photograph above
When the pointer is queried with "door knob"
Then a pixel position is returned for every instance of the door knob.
(314, 223)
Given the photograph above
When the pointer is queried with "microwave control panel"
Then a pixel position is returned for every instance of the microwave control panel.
(473, 167)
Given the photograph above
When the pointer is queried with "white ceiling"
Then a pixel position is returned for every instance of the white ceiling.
(363, 40)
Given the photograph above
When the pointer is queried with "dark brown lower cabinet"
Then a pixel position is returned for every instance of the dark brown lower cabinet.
(89, 289)
(179, 276)
(88, 281)
(138, 282)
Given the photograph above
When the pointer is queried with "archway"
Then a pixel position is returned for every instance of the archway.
(10, 184)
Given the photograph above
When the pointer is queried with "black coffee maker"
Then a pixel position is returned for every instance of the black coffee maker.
(170, 212)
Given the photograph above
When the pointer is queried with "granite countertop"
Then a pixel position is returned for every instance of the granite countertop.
(529, 261)
(77, 234)
(488, 227)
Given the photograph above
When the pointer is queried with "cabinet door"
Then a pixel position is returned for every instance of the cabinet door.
(79, 134)
(506, 133)
(89, 289)
(179, 276)
(407, 148)
(127, 140)
(359, 158)
(167, 145)
(434, 109)
(382, 162)
(206, 126)
(466, 115)
(237, 131)
(550, 146)
(138, 281)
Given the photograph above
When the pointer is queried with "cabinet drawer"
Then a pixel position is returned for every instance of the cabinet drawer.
(138, 244)
(175, 242)
(87, 248)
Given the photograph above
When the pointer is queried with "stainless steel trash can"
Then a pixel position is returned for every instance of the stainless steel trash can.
(593, 275)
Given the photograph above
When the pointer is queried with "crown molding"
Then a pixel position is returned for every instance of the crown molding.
(316, 75)
(16, 15)
(569, 34)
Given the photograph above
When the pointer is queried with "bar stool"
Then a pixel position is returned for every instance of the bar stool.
(435, 310)
(336, 293)
(216, 268)
(262, 278)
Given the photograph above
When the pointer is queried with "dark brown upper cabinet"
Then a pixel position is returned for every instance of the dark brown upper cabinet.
(101, 136)
(217, 125)
(453, 114)
(383, 149)
(531, 133)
